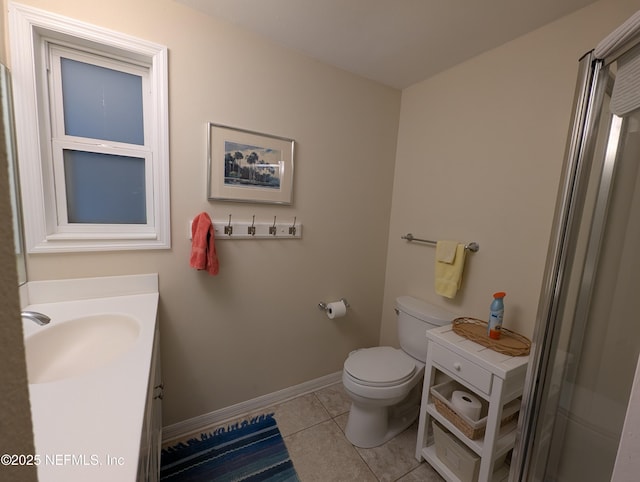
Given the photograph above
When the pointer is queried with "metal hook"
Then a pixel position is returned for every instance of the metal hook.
(292, 228)
(272, 229)
(228, 229)
(252, 229)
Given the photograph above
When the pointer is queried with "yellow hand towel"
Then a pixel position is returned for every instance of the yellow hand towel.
(448, 276)
(446, 251)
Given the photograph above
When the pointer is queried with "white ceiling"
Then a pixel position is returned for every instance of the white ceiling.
(394, 42)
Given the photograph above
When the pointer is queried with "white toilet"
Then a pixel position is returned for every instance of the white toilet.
(384, 383)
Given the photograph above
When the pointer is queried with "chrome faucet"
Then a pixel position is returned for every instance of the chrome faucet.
(39, 318)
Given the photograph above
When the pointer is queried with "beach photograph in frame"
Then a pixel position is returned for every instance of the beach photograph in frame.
(247, 166)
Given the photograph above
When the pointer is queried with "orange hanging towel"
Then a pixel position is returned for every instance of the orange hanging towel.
(203, 248)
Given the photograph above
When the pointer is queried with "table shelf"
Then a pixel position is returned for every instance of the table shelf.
(497, 378)
(504, 443)
(501, 474)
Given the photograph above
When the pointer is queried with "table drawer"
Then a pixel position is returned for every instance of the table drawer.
(462, 368)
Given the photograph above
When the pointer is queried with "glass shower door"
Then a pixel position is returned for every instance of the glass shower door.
(587, 340)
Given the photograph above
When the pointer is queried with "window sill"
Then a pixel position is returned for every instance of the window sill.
(65, 243)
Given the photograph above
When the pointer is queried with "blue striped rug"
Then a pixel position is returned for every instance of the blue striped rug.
(252, 450)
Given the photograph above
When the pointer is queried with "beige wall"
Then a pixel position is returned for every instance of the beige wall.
(256, 328)
(480, 150)
(15, 415)
(4, 36)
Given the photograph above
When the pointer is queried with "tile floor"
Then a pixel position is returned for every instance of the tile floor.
(312, 426)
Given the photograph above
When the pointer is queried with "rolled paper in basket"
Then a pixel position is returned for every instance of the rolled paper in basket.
(466, 404)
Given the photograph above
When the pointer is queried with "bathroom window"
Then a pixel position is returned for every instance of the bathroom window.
(94, 171)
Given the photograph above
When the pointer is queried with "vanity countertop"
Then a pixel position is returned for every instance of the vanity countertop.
(88, 426)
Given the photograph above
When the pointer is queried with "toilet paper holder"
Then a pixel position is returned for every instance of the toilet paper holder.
(325, 306)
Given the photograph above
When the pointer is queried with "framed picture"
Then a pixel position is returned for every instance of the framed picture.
(248, 166)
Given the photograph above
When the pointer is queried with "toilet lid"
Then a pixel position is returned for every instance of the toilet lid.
(380, 366)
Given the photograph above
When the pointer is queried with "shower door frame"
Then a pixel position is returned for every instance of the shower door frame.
(589, 95)
(539, 412)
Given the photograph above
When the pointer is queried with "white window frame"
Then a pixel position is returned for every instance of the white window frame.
(60, 141)
(32, 33)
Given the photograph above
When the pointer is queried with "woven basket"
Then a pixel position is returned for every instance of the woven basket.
(510, 342)
(470, 428)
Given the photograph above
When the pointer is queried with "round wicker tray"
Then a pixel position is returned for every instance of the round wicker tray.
(510, 342)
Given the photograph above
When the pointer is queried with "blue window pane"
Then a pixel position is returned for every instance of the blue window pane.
(104, 188)
(101, 103)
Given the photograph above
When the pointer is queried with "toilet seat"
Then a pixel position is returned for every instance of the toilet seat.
(381, 366)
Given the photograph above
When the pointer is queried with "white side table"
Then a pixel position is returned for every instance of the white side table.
(497, 378)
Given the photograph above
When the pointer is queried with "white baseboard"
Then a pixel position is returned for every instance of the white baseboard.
(189, 426)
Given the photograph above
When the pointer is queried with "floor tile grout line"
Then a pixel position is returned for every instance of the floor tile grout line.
(329, 415)
(355, 449)
(305, 428)
(340, 429)
(333, 418)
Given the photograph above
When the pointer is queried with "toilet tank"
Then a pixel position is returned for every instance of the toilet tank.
(415, 317)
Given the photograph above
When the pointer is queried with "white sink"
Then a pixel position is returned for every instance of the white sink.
(89, 370)
(78, 346)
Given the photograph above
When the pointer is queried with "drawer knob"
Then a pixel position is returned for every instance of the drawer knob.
(457, 366)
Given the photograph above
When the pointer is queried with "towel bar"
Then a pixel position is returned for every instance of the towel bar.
(473, 246)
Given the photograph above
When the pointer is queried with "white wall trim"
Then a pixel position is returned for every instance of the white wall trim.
(28, 29)
(208, 420)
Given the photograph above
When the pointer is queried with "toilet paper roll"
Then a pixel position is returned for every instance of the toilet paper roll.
(466, 404)
(337, 309)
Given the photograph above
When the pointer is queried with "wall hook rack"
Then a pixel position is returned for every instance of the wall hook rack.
(253, 229)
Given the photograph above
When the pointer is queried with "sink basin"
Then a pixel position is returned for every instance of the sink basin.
(75, 347)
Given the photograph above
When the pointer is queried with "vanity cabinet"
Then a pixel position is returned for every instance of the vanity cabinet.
(151, 441)
(492, 376)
